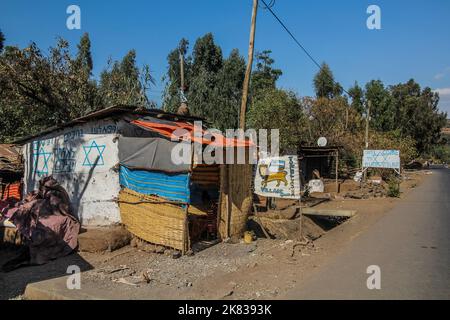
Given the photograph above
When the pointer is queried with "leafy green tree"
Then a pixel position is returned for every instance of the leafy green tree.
(357, 96)
(265, 75)
(83, 59)
(331, 118)
(279, 109)
(2, 40)
(417, 115)
(123, 83)
(202, 70)
(171, 96)
(213, 85)
(381, 112)
(408, 110)
(39, 90)
(207, 62)
(207, 56)
(228, 91)
(85, 87)
(324, 84)
(41, 81)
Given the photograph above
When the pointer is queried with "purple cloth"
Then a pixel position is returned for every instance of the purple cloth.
(46, 221)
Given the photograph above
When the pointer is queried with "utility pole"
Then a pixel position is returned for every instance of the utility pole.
(183, 108)
(369, 104)
(182, 70)
(366, 138)
(248, 71)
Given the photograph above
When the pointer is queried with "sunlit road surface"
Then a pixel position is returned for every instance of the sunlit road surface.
(410, 244)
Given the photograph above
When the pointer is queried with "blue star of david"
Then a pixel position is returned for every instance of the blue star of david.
(46, 156)
(380, 158)
(99, 161)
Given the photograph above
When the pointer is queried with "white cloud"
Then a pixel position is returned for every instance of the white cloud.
(444, 99)
(442, 74)
(443, 91)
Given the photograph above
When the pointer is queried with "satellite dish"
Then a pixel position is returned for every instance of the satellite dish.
(322, 142)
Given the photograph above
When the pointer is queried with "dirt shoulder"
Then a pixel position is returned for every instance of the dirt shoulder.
(265, 269)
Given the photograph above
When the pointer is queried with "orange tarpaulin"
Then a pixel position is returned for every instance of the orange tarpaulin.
(182, 130)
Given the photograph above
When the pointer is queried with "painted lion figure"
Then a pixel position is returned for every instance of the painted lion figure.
(267, 177)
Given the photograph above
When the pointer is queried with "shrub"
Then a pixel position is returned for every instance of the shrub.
(393, 188)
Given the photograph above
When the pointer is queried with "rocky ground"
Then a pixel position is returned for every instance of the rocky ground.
(264, 269)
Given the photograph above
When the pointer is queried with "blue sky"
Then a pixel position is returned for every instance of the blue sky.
(413, 42)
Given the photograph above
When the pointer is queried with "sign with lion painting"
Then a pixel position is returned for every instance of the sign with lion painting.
(278, 177)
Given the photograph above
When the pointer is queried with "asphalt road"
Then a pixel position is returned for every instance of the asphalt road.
(410, 244)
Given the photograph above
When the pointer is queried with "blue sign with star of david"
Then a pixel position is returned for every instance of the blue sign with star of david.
(93, 154)
(381, 159)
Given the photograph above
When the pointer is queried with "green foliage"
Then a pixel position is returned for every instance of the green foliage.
(83, 61)
(440, 153)
(2, 40)
(394, 140)
(357, 96)
(213, 85)
(171, 97)
(393, 188)
(207, 56)
(123, 83)
(331, 118)
(202, 95)
(382, 114)
(265, 75)
(324, 84)
(279, 109)
(230, 80)
(404, 109)
(417, 114)
(39, 90)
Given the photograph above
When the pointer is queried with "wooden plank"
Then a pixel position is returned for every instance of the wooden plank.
(328, 212)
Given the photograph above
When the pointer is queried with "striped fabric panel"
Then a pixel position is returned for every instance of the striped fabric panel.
(174, 187)
(12, 191)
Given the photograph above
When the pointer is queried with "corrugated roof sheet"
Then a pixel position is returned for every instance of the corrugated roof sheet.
(110, 112)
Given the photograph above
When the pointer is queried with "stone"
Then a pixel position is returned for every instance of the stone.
(103, 239)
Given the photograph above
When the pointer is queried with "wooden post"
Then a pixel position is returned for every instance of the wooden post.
(301, 218)
(229, 200)
(337, 171)
(186, 240)
(248, 71)
(186, 235)
(181, 71)
(369, 104)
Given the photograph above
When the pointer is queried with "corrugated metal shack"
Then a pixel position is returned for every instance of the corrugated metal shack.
(116, 166)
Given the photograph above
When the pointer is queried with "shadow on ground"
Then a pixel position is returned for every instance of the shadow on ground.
(13, 283)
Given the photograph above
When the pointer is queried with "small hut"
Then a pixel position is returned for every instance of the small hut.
(116, 166)
(323, 159)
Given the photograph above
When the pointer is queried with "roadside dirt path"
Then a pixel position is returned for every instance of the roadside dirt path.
(265, 269)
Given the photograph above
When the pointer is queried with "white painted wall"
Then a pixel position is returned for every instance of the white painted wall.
(83, 159)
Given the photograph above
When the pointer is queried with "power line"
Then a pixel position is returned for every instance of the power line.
(269, 7)
(271, 4)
